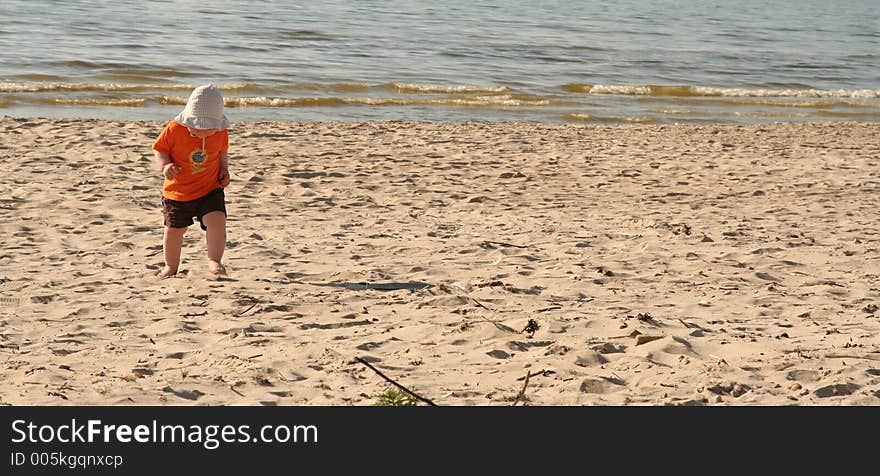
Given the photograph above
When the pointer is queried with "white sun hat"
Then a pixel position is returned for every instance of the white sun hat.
(204, 109)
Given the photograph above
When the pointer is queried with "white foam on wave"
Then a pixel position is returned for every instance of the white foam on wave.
(707, 91)
(789, 93)
(623, 90)
(504, 100)
(36, 87)
(439, 88)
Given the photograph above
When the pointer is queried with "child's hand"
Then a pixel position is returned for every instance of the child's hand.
(170, 171)
(223, 177)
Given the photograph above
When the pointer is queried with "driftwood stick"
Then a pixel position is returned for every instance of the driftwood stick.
(246, 310)
(417, 396)
(522, 392)
(478, 303)
(503, 243)
(194, 314)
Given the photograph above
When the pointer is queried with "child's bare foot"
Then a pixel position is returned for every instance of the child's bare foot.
(216, 268)
(167, 272)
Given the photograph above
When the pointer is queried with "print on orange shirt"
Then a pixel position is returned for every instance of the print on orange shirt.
(196, 159)
(199, 161)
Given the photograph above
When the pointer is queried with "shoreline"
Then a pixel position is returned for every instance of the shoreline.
(662, 264)
(828, 122)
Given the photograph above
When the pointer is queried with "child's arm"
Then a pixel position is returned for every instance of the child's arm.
(165, 164)
(224, 169)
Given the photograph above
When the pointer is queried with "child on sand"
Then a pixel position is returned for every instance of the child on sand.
(192, 153)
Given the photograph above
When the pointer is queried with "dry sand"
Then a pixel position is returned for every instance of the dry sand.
(719, 265)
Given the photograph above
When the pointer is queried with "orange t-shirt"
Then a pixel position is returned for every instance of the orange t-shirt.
(198, 159)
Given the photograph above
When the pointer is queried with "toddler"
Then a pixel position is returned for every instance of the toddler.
(192, 153)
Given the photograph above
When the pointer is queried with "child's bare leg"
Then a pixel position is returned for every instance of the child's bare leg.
(215, 222)
(172, 244)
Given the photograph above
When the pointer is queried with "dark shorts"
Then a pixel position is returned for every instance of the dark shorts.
(181, 214)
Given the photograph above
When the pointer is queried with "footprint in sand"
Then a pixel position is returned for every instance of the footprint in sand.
(837, 390)
(186, 394)
(602, 385)
(804, 376)
(590, 359)
(498, 354)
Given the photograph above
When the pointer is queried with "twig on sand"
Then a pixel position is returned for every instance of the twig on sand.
(522, 392)
(502, 243)
(253, 305)
(478, 303)
(194, 314)
(374, 369)
(246, 310)
(691, 325)
(497, 325)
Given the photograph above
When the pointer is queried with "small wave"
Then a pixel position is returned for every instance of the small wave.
(76, 64)
(284, 34)
(705, 91)
(142, 75)
(607, 89)
(781, 102)
(782, 115)
(474, 101)
(815, 66)
(797, 104)
(95, 102)
(13, 87)
(673, 111)
(282, 102)
(583, 48)
(304, 35)
(262, 101)
(849, 114)
(575, 117)
(784, 85)
(160, 72)
(438, 88)
(477, 101)
(38, 77)
(690, 112)
(133, 77)
(341, 87)
(577, 88)
(124, 68)
(242, 87)
(492, 101)
(789, 93)
(864, 56)
(63, 101)
(173, 101)
(9, 87)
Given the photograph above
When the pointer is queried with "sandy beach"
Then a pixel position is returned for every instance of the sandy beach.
(613, 265)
